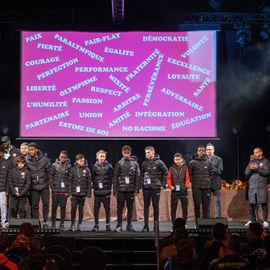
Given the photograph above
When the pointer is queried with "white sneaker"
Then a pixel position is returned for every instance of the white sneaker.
(265, 224)
(247, 224)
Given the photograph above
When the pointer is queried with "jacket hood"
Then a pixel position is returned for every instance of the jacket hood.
(183, 163)
(23, 168)
(132, 158)
(85, 165)
(195, 156)
(97, 163)
(156, 157)
(39, 155)
(57, 160)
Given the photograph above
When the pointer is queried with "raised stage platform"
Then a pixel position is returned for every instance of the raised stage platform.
(124, 250)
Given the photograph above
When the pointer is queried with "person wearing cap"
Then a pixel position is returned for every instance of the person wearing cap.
(5, 166)
(39, 166)
(10, 150)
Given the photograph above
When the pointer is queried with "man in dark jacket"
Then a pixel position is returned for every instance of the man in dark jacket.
(102, 185)
(257, 172)
(39, 166)
(5, 165)
(126, 182)
(19, 180)
(153, 179)
(10, 150)
(217, 163)
(201, 173)
(59, 183)
(80, 187)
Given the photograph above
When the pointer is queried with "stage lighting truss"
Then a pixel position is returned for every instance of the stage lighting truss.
(234, 19)
(118, 11)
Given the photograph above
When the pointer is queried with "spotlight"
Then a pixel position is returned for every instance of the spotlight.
(243, 37)
(265, 33)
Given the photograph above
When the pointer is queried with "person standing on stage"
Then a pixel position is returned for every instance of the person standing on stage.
(59, 183)
(10, 150)
(5, 166)
(178, 181)
(24, 151)
(153, 179)
(257, 172)
(102, 185)
(217, 163)
(126, 183)
(19, 180)
(80, 187)
(201, 172)
(39, 166)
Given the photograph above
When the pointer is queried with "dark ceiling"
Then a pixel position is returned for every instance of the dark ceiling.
(134, 8)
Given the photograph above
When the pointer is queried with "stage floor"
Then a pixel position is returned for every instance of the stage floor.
(164, 229)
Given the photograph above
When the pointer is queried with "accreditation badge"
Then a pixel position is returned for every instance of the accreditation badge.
(127, 180)
(100, 185)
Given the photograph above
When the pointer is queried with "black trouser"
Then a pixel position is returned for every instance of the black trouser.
(45, 197)
(105, 199)
(252, 210)
(61, 201)
(149, 194)
(17, 205)
(175, 197)
(122, 198)
(201, 196)
(77, 201)
(29, 197)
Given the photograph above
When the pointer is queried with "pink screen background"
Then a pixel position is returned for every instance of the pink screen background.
(32, 66)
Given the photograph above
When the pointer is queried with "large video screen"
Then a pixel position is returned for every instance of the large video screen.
(118, 84)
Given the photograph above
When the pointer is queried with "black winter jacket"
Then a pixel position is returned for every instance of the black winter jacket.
(59, 176)
(126, 176)
(178, 175)
(153, 174)
(217, 163)
(5, 166)
(258, 180)
(80, 177)
(201, 172)
(40, 171)
(21, 179)
(102, 178)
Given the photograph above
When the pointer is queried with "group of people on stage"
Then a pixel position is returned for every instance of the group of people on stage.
(28, 173)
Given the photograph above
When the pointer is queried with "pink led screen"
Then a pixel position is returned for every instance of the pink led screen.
(118, 84)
